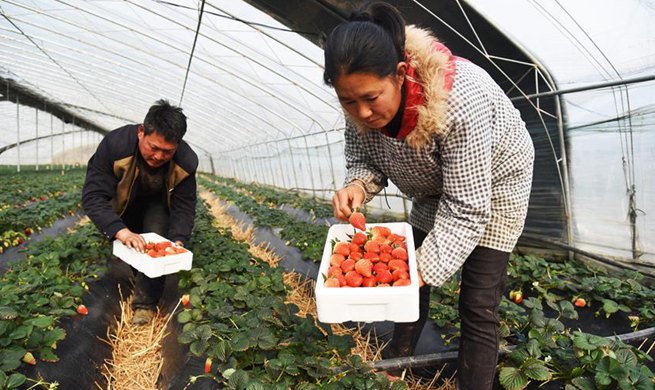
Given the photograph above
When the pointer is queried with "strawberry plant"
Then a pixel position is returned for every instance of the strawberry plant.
(239, 318)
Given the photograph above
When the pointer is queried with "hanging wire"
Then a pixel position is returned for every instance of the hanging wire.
(231, 17)
(193, 48)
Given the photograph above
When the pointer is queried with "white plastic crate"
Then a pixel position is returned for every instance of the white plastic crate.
(153, 267)
(368, 304)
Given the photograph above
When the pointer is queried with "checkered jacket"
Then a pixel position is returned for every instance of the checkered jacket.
(467, 165)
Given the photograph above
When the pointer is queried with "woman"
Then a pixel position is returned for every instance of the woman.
(444, 132)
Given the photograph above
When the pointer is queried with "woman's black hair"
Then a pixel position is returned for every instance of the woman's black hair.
(165, 119)
(371, 41)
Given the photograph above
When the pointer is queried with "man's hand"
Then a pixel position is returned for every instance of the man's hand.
(346, 199)
(131, 240)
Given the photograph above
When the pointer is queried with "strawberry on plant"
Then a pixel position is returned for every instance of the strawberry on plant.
(208, 365)
(516, 296)
(358, 220)
(185, 300)
(28, 231)
(580, 302)
(82, 310)
(29, 359)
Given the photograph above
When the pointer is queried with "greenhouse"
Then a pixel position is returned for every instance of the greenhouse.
(247, 308)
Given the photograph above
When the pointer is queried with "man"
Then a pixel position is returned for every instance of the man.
(142, 179)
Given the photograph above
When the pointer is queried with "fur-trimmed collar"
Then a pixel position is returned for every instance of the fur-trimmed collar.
(433, 64)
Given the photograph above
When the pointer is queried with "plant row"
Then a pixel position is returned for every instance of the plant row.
(239, 319)
(540, 322)
(32, 201)
(36, 292)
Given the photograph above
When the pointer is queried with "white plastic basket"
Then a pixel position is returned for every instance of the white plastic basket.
(367, 304)
(153, 267)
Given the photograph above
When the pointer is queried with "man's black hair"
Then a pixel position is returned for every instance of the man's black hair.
(165, 119)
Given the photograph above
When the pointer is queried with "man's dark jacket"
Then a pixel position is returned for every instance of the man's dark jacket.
(111, 175)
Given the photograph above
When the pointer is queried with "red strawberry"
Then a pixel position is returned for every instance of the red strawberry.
(354, 248)
(342, 248)
(385, 257)
(384, 277)
(337, 259)
(372, 246)
(334, 270)
(358, 220)
(208, 365)
(402, 282)
(356, 256)
(379, 267)
(332, 282)
(399, 253)
(369, 282)
(185, 300)
(396, 264)
(28, 231)
(364, 267)
(348, 265)
(359, 238)
(400, 274)
(354, 279)
(82, 310)
(381, 230)
(580, 302)
(29, 359)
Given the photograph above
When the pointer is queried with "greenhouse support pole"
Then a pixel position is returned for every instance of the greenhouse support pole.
(270, 165)
(334, 179)
(279, 165)
(63, 146)
(320, 170)
(293, 164)
(52, 141)
(309, 161)
(565, 174)
(36, 119)
(211, 163)
(18, 132)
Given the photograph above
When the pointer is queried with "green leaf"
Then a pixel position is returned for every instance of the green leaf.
(222, 350)
(10, 358)
(238, 380)
(252, 385)
(399, 385)
(609, 306)
(184, 316)
(583, 383)
(511, 378)
(198, 347)
(240, 342)
(48, 355)
(15, 381)
(40, 322)
(7, 313)
(536, 369)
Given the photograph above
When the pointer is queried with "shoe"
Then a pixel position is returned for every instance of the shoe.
(142, 316)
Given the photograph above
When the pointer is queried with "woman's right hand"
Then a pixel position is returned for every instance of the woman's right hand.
(346, 200)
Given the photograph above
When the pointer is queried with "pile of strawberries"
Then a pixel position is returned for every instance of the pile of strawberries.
(164, 248)
(374, 259)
